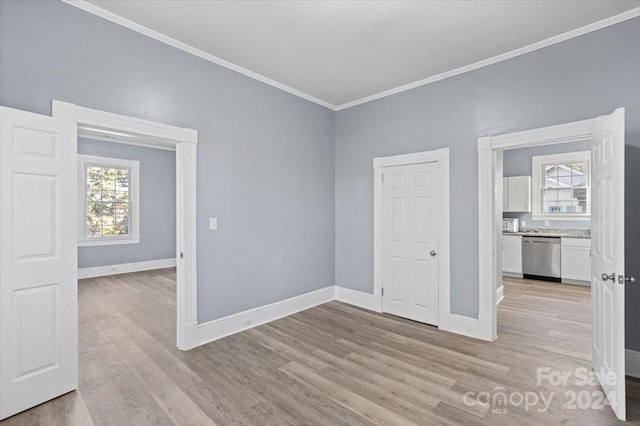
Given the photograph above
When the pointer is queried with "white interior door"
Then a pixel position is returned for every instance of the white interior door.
(607, 258)
(411, 202)
(38, 259)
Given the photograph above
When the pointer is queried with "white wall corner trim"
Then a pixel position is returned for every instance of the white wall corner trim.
(632, 363)
(359, 298)
(125, 268)
(109, 16)
(499, 294)
(226, 326)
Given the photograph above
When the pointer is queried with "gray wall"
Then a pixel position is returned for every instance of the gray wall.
(265, 157)
(157, 206)
(517, 162)
(578, 79)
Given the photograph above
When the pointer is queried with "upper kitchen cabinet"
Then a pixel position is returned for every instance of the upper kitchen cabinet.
(516, 194)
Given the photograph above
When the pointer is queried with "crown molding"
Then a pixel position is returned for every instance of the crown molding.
(98, 11)
(110, 16)
(630, 14)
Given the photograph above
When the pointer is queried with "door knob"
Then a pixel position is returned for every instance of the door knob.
(622, 279)
(433, 253)
(606, 277)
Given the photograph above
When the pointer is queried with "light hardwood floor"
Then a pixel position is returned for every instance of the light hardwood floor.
(333, 364)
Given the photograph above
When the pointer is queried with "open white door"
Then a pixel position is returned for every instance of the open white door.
(607, 258)
(38, 260)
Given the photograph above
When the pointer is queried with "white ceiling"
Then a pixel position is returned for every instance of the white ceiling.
(340, 52)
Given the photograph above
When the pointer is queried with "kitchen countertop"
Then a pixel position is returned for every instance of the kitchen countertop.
(552, 232)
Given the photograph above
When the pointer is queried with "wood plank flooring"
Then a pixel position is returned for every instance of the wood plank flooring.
(333, 364)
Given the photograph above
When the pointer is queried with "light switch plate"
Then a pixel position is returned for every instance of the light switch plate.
(213, 223)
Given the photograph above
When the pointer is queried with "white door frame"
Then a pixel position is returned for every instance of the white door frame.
(184, 142)
(442, 157)
(490, 149)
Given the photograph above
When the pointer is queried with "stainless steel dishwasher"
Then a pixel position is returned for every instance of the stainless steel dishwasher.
(541, 257)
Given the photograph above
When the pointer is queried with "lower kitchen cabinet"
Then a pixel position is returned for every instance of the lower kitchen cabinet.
(512, 255)
(575, 260)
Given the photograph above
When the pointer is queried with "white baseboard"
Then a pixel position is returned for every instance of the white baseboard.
(512, 275)
(478, 328)
(217, 329)
(189, 337)
(123, 268)
(223, 327)
(499, 294)
(359, 298)
(632, 362)
(471, 327)
(576, 282)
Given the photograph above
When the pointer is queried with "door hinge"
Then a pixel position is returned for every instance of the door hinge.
(383, 291)
(181, 255)
(382, 178)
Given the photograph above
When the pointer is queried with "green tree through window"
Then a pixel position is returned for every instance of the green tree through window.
(109, 207)
(107, 202)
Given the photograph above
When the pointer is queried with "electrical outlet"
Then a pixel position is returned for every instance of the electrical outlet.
(523, 223)
(546, 223)
(213, 223)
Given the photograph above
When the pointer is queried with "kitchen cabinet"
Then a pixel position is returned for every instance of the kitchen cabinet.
(516, 194)
(575, 260)
(512, 255)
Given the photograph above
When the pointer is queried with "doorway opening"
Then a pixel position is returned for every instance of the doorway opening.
(95, 124)
(606, 175)
(544, 296)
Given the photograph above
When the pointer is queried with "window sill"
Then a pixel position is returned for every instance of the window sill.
(561, 217)
(108, 241)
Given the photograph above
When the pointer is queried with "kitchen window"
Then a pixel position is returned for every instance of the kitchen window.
(109, 210)
(561, 186)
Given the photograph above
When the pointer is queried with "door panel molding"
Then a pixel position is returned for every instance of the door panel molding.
(608, 345)
(442, 157)
(38, 260)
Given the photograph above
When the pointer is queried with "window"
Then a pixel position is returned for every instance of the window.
(561, 186)
(109, 201)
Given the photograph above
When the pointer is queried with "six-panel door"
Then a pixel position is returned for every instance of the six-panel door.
(38, 259)
(607, 258)
(411, 206)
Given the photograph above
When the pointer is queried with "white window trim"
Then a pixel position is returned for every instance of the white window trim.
(537, 184)
(85, 161)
